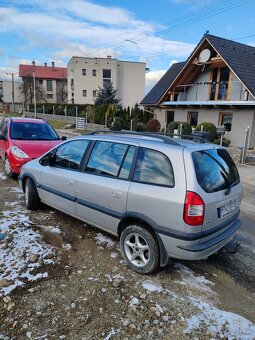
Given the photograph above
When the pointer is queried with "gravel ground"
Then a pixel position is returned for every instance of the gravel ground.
(61, 279)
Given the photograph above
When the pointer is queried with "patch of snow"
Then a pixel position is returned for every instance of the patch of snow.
(114, 255)
(16, 267)
(67, 246)
(112, 332)
(15, 190)
(152, 286)
(102, 239)
(193, 281)
(160, 309)
(134, 301)
(2, 177)
(52, 229)
(224, 324)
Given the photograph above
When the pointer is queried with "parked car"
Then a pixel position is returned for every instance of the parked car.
(23, 139)
(164, 197)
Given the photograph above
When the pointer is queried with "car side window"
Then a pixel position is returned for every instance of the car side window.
(126, 166)
(69, 155)
(153, 167)
(106, 158)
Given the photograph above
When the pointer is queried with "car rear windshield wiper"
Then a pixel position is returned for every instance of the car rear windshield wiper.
(228, 190)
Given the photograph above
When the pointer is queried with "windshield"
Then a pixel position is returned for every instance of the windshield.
(32, 131)
(215, 169)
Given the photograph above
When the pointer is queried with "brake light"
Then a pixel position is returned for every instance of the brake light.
(194, 209)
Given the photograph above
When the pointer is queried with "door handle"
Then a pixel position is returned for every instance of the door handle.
(116, 194)
(69, 182)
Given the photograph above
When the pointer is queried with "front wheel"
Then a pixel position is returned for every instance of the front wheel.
(32, 199)
(7, 168)
(140, 249)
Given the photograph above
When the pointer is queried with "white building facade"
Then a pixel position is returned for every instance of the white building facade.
(87, 75)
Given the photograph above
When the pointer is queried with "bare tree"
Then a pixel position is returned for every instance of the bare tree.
(62, 91)
(27, 90)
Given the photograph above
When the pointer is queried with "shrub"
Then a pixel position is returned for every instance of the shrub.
(139, 126)
(186, 128)
(153, 125)
(208, 127)
(172, 126)
(117, 124)
(225, 142)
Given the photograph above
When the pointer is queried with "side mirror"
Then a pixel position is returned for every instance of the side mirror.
(52, 160)
(2, 137)
(63, 138)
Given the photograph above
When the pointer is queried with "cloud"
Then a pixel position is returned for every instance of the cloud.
(151, 78)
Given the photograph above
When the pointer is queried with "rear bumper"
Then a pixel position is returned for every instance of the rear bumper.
(202, 247)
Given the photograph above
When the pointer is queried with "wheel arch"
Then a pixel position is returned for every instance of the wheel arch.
(148, 225)
(25, 176)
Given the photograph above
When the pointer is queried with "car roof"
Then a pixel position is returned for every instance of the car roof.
(27, 120)
(148, 139)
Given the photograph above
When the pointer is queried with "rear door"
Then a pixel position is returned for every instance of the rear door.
(219, 186)
(102, 189)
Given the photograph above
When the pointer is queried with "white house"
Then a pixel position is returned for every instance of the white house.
(86, 75)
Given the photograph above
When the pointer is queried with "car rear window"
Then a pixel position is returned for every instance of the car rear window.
(215, 169)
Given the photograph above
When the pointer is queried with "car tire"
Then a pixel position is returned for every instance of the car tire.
(7, 168)
(140, 249)
(32, 199)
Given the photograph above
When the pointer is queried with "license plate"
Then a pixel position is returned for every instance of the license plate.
(226, 209)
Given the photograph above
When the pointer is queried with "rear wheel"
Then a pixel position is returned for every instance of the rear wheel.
(32, 199)
(7, 168)
(140, 249)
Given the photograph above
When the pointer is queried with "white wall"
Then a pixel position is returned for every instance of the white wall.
(7, 91)
(127, 77)
(241, 119)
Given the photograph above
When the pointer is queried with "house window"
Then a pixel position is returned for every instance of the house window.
(72, 94)
(72, 82)
(192, 118)
(219, 83)
(226, 120)
(40, 81)
(107, 74)
(84, 72)
(106, 81)
(94, 73)
(84, 93)
(169, 117)
(49, 95)
(49, 85)
(94, 93)
(72, 101)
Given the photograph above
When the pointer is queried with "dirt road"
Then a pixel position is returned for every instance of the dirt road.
(72, 283)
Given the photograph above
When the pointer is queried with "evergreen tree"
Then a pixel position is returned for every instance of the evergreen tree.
(107, 95)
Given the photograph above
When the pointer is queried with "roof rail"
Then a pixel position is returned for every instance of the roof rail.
(164, 138)
(167, 138)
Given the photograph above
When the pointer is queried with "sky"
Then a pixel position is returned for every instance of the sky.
(158, 32)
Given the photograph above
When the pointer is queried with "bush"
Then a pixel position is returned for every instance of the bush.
(208, 127)
(139, 126)
(117, 124)
(153, 125)
(186, 128)
(172, 126)
(225, 142)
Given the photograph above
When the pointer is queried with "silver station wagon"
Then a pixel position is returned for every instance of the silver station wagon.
(164, 197)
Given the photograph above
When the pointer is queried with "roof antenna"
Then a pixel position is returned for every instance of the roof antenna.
(206, 32)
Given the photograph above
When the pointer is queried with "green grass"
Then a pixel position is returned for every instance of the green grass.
(57, 124)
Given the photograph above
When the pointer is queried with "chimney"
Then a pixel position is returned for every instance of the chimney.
(53, 64)
(45, 64)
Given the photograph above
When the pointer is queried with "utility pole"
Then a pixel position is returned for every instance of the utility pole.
(33, 63)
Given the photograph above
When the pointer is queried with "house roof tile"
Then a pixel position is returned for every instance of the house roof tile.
(43, 72)
(161, 86)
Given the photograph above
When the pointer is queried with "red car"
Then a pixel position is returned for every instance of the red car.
(23, 139)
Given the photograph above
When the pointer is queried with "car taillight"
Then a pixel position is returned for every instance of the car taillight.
(194, 209)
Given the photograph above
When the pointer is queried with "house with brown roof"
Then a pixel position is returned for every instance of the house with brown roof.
(215, 84)
(50, 81)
